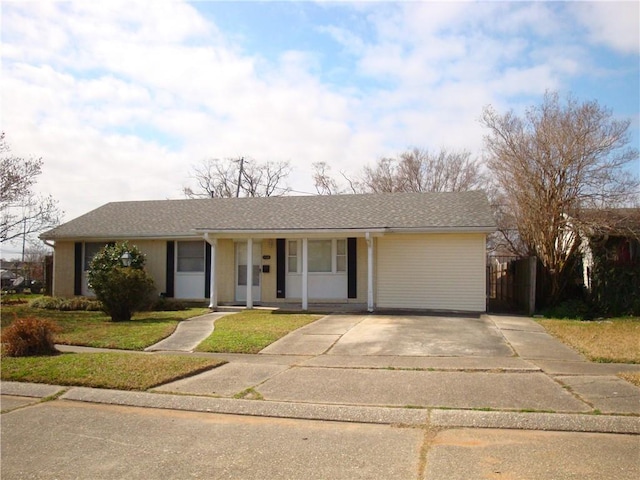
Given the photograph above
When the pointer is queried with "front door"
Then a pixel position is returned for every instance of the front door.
(241, 271)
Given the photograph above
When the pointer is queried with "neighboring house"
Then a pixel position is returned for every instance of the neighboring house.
(614, 231)
(380, 251)
(6, 278)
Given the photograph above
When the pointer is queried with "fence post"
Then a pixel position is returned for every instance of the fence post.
(533, 267)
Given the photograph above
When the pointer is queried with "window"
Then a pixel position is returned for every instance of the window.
(90, 251)
(320, 256)
(341, 256)
(292, 256)
(242, 275)
(323, 256)
(190, 256)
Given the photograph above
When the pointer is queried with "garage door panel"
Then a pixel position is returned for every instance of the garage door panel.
(436, 272)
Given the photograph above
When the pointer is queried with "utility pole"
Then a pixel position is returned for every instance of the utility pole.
(239, 176)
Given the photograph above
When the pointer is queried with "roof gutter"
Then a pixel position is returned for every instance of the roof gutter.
(481, 229)
(273, 233)
(291, 233)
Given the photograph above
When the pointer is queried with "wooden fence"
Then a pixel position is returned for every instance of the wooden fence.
(511, 284)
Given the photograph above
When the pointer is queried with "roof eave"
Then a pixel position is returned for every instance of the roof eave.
(270, 233)
(110, 237)
(290, 232)
(441, 229)
(273, 233)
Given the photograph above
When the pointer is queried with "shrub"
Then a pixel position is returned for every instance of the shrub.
(12, 300)
(575, 308)
(66, 304)
(81, 303)
(46, 303)
(163, 304)
(29, 336)
(616, 286)
(122, 290)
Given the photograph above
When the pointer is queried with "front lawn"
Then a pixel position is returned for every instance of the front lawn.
(614, 340)
(95, 329)
(144, 329)
(252, 330)
(122, 371)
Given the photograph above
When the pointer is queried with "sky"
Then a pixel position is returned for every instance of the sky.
(122, 100)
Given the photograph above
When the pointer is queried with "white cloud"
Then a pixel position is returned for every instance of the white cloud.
(121, 99)
(614, 24)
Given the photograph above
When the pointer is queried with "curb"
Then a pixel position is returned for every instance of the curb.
(411, 417)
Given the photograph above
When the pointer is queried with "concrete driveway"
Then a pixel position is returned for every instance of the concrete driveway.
(426, 361)
(395, 335)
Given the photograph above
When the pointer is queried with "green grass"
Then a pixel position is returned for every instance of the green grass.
(249, 394)
(121, 371)
(251, 331)
(143, 330)
(95, 329)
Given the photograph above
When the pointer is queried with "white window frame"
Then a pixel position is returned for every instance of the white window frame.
(334, 256)
(178, 257)
(297, 255)
(337, 255)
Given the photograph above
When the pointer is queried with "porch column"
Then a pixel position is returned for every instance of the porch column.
(250, 273)
(369, 239)
(305, 274)
(213, 297)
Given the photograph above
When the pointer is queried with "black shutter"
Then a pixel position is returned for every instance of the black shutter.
(352, 268)
(77, 269)
(171, 248)
(207, 269)
(281, 268)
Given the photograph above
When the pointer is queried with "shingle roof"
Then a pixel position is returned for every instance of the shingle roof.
(174, 218)
(612, 221)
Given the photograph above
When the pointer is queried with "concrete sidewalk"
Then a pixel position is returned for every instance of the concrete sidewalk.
(188, 334)
(16, 395)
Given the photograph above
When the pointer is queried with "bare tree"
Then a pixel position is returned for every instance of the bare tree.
(551, 163)
(264, 180)
(33, 261)
(327, 185)
(322, 180)
(415, 170)
(383, 177)
(214, 178)
(418, 170)
(22, 212)
(238, 177)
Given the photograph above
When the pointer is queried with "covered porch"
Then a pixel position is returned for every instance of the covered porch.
(297, 271)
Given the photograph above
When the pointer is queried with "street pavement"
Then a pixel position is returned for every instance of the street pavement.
(348, 396)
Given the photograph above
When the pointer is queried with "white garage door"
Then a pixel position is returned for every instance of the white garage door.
(433, 272)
